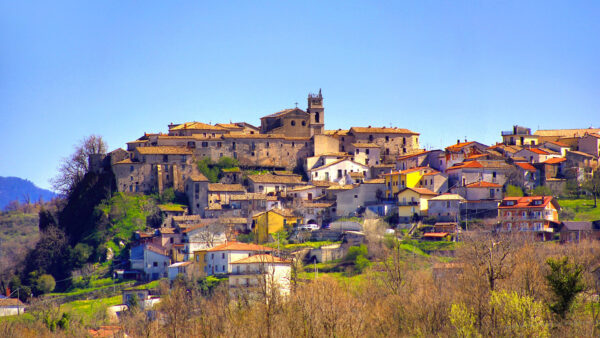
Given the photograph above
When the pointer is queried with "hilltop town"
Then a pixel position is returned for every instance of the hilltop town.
(292, 174)
(260, 210)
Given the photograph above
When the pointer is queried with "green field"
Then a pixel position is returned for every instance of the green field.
(583, 209)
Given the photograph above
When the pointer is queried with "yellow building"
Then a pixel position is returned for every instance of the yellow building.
(413, 203)
(398, 180)
(272, 221)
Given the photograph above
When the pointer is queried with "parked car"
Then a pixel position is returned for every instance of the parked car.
(308, 227)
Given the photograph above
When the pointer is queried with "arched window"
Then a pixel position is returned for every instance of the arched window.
(293, 123)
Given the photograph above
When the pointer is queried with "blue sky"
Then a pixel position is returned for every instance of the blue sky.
(446, 69)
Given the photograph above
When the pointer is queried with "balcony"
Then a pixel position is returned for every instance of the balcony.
(409, 203)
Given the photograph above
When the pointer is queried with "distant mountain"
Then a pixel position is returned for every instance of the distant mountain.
(14, 188)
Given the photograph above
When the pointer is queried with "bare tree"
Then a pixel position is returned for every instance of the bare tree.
(73, 168)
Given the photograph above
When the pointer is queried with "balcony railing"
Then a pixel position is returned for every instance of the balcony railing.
(410, 203)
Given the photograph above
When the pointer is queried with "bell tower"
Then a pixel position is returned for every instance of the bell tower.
(317, 113)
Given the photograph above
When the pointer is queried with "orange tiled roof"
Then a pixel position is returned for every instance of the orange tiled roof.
(483, 184)
(164, 150)
(283, 112)
(526, 166)
(374, 181)
(238, 246)
(459, 146)
(435, 234)
(413, 155)
(555, 160)
(270, 178)
(525, 202)
(226, 187)
(195, 126)
(382, 130)
(260, 258)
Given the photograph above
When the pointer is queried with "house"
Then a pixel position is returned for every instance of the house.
(185, 269)
(196, 189)
(460, 151)
(141, 297)
(365, 153)
(349, 199)
(269, 222)
(315, 212)
(151, 259)
(519, 136)
(579, 164)
(263, 272)
(337, 171)
(218, 259)
(409, 178)
(558, 147)
(576, 231)
(590, 144)
(305, 193)
(445, 207)
(219, 193)
(431, 158)
(170, 210)
(272, 184)
(201, 236)
(476, 171)
(11, 307)
(435, 181)
(529, 174)
(536, 155)
(413, 203)
(538, 214)
(561, 135)
(480, 191)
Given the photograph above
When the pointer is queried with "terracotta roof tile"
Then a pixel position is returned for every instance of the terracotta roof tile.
(260, 258)
(164, 150)
(382, 130)
(483, 184)
(270, 178)
(555, 160)
(526, 166)
(226, 187)
(195, 126)
(238, 246)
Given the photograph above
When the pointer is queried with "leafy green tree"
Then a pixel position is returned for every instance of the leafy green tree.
(45, 284)
(80, 254)
(541, 190)
(355, 251)
(513, 191)
(518, 316)
(361, 263)
(566, 281)
(463, 320)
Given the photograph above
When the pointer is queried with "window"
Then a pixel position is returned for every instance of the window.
(183, 158)
(155, 264)
(387, 139)
(303, 123)
(317, 117)
(130, 168)
(367, 151)
(339, 175)
(267, 144)
(212, 256)
(357, 152)
(355, 196)
(370, 138)
(223, 255)
(204, 144)
(293, 123)
(165, 158)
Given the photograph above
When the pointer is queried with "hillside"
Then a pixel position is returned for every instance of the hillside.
(14, 188)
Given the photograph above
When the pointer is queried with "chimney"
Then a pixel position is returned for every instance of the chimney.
(457, 141)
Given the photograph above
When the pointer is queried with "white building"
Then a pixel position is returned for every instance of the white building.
(337, 171)
(202, 236)
(151, 259)
(261, 271)
(11, 307)
(218, 259)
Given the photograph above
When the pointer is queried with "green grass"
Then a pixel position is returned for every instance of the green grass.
(583, 208)
(151, 285)
(86, 290)
(308, 244)
(88, 309)
(172, 207)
